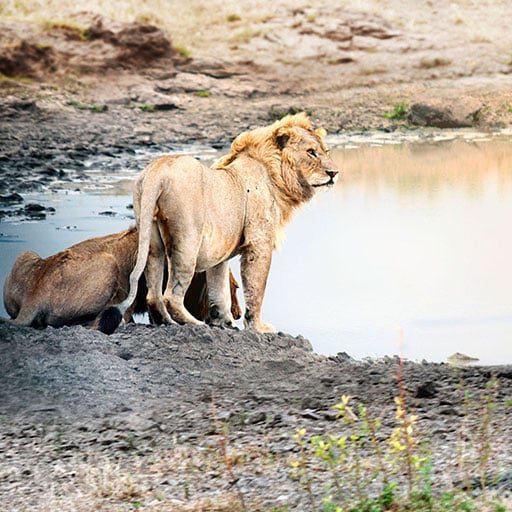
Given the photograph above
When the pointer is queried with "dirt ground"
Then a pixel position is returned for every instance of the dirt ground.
(139, 416)
(89, 422)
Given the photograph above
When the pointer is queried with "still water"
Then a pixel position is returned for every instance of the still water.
(416, 238)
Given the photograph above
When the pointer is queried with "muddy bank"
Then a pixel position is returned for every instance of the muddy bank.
(43, 141)
(86, 86)
(81, 407)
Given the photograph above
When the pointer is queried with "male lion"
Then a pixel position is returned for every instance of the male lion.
(199, 217)
(75, 285)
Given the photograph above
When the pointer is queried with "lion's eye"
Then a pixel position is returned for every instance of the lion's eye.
(312, 152)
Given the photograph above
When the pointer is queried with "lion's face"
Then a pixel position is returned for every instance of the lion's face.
(306, 161)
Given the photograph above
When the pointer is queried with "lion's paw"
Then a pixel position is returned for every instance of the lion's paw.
(265, 328)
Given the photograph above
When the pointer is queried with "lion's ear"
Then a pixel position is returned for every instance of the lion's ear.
(282, 137)
(321, 132)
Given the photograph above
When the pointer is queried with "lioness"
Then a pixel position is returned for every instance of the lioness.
(200, 217)
(75, 285)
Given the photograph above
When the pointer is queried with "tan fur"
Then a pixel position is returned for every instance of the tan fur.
(198, 217)
(75, 285)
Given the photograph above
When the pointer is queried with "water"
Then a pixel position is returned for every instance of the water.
(415, 242)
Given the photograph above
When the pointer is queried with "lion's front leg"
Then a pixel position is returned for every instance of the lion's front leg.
(255, 266)
(219, 296)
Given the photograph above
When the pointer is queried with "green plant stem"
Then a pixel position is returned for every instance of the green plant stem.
(404, 424)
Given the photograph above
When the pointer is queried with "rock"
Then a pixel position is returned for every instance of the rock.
(440, 113)
(224, 415)
(311, 402)
(124, 354)
(426, 390)
(343, 356)
(17, 106)
(108, 437)
(257, 417)
(504, 372)
(375, 28)
(148, 100)
(185, 82)
(212, 67)
(34, 207)
(141, 44)
(132, 422)
(278, 448)
(447, 410)
(330, 415)
(309, 414)
(13, 198)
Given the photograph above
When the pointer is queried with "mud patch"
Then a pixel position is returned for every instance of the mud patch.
(86, 44)
(27, 59)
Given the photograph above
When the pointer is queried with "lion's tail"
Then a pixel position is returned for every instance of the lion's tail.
(111, 317)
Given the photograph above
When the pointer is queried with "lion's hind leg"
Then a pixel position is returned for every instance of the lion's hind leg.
(182, 256)
(30, 316)
(154, 272)
(219, 295)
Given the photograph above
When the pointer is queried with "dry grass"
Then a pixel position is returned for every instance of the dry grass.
(434, 62)
(372, 70)
(192, 24)
(182, 479)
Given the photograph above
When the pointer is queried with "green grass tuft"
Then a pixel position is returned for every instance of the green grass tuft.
(93, 107)
(399, 112)
(70, 26)
(146, 107)
(183, 51)
(202, 94)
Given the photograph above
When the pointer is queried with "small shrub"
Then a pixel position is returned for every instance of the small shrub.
(183, 51)
(202, 94)
(96, 107)
(245, 35)
(369, 470)
(25, 80)
(399, 112)
(147, 107)
(93, 107)
(233, 17)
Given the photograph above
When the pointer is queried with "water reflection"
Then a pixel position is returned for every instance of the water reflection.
(415, 236)
(429, 168)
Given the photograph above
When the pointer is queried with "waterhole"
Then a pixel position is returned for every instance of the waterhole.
(410, 252)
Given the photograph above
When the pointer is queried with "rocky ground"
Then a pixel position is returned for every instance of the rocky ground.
(143, 416)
